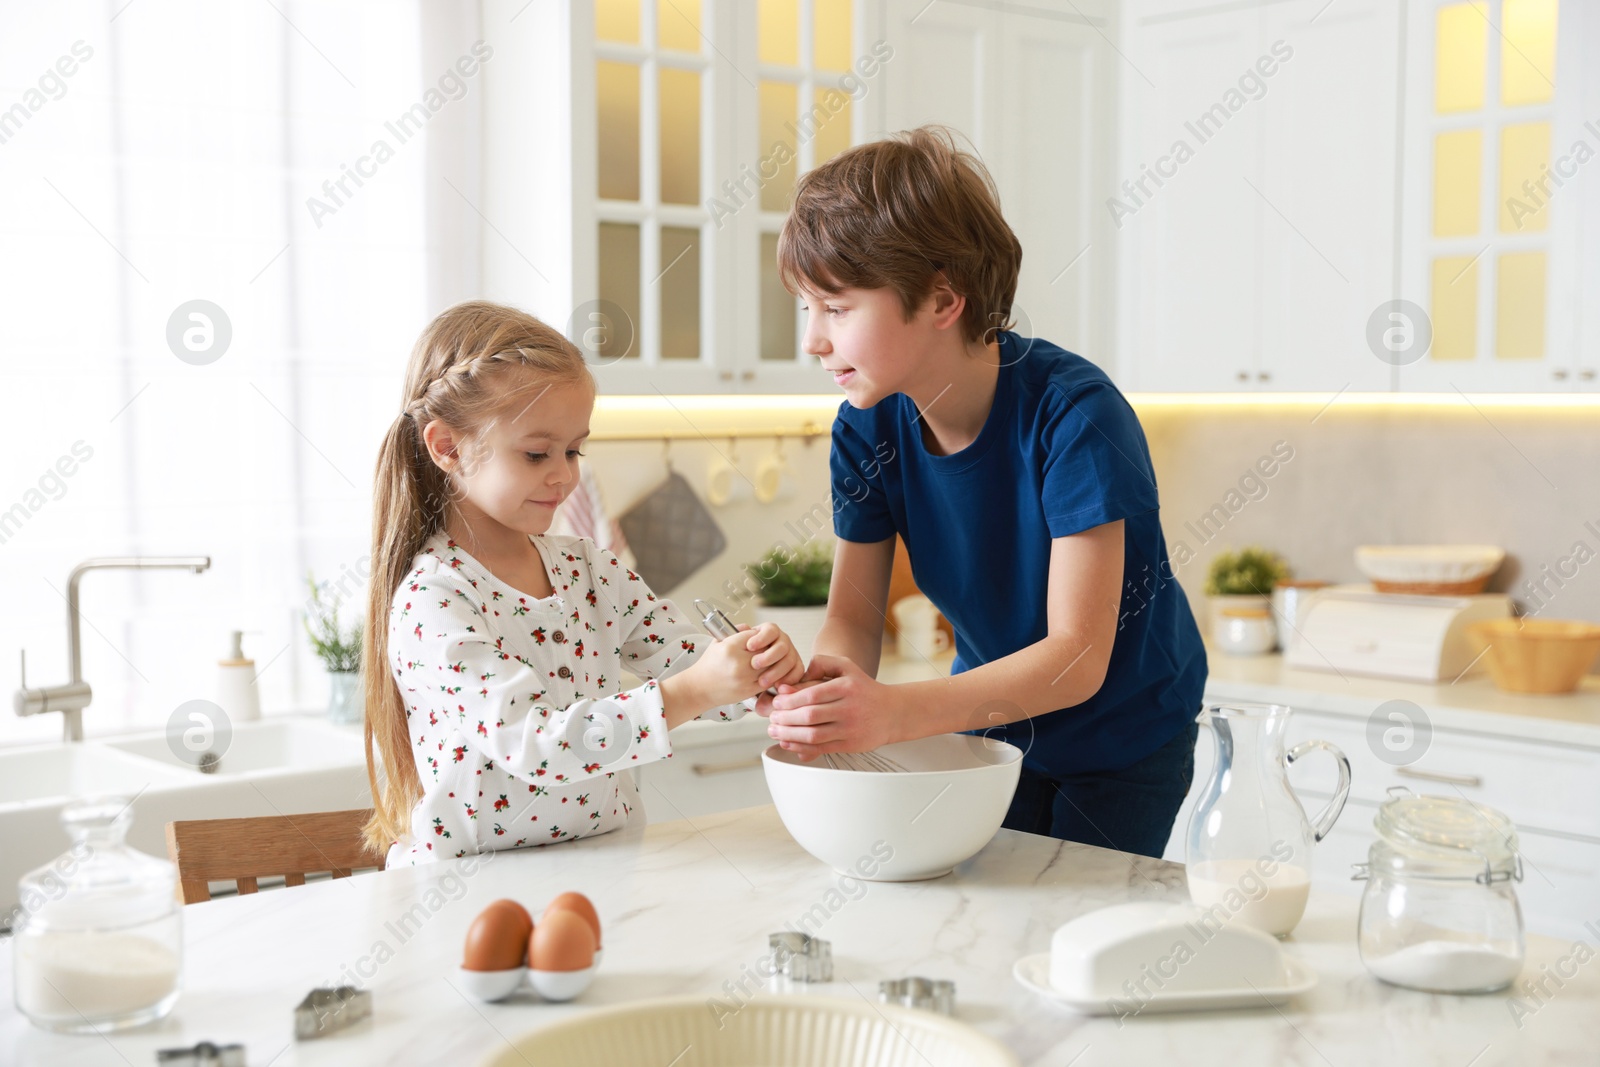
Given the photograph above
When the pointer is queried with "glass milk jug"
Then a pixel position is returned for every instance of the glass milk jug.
(1249, 844)
(99, 943)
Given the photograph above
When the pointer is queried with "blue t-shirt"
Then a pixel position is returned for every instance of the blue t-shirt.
(1060, 452)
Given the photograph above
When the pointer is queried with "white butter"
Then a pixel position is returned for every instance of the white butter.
(1145, 950)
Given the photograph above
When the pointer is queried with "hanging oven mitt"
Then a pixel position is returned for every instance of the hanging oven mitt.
(671, 533)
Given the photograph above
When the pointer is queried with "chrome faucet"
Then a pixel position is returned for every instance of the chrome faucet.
(70, 699)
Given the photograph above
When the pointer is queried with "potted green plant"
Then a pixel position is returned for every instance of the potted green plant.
(794, 591)
(339, 649)
(1242, 581)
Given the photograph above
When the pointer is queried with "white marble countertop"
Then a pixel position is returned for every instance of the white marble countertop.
(687, 906)
(1473, 703)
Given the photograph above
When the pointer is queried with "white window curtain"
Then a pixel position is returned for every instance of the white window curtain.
(311, 169)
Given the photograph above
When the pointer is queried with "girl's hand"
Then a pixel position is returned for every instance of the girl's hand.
(724, 673)
(775, 656)
(837, 708)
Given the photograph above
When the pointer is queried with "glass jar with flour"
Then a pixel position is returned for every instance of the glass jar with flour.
(1439, 912)
(99, 941)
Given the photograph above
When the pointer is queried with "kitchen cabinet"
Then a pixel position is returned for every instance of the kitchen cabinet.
(1499, 214)
(1256, 248)
(1033, 88)
(714, 767)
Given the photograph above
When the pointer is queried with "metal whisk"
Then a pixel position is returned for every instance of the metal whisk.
(861, 761)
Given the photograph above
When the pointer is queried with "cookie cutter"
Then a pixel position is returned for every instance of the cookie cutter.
(328, 1009)
(801, 957)
(929, 994)
(203, 1054)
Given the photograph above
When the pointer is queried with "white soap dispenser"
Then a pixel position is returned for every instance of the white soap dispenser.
(237, 694)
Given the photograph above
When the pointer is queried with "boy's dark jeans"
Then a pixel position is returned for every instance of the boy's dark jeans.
(1130, 810)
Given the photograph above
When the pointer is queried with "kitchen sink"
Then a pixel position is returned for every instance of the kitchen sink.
(262, 746)
(280, 766)
(36, 774)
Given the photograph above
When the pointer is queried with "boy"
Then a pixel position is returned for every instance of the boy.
(1020, 481)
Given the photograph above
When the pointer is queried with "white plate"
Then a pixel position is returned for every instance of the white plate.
(1034, 972)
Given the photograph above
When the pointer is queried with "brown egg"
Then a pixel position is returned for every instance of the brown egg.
(497, 940)
(562, 941)
(579, 905)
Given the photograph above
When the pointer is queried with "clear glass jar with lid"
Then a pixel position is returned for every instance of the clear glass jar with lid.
(99, 942)
(1440, 912)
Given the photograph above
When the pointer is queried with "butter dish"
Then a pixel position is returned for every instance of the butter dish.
(1132, 958)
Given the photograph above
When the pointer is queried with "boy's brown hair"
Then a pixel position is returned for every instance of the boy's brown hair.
(898, 214)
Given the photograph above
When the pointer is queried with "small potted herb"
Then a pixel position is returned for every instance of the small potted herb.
(794, 591)
(339, 649)
(1239, 586)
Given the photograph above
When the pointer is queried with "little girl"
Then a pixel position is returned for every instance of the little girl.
(495, 654)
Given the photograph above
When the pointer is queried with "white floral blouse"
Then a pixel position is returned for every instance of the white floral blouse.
(520, 731)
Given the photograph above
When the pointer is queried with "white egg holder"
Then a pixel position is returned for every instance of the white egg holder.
(554, 986)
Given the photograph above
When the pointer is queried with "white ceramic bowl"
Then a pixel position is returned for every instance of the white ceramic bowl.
(773, 1031)
(1428, 563)
(898, 826)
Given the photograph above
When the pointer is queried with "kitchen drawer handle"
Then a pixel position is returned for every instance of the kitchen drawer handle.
(1469, 780)
(707, 769)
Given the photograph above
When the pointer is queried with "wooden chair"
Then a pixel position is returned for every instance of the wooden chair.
(244, 850)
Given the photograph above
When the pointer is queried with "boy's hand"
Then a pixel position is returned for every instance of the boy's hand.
(835, 708)
(775, 655)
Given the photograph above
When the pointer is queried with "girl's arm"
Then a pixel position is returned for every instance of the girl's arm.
(661, 643)
(452, 669)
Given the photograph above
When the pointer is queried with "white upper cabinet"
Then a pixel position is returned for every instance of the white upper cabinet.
(1267, 195)
(1033, 89)
(1257, 214)
(1187, 219)
(1499, 204)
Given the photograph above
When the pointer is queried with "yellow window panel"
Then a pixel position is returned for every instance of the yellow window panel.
(617, 100)
(779, 107)
(619, 283)
(778, 308)
(617, 20)
(1457, 182)
(1519, 306)
(1524, 160)
(678, 25)
(1461, 54)
(680, 136)
(830, 118)
(778, 31)
(831, 34)
(1528, 56)
(1455, 308)
(679, 282)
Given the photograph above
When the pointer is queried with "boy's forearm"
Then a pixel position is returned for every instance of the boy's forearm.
(863, 646)
(1057, 672)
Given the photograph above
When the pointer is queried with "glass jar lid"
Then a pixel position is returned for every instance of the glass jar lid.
(99, 883)
(1433, 834)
